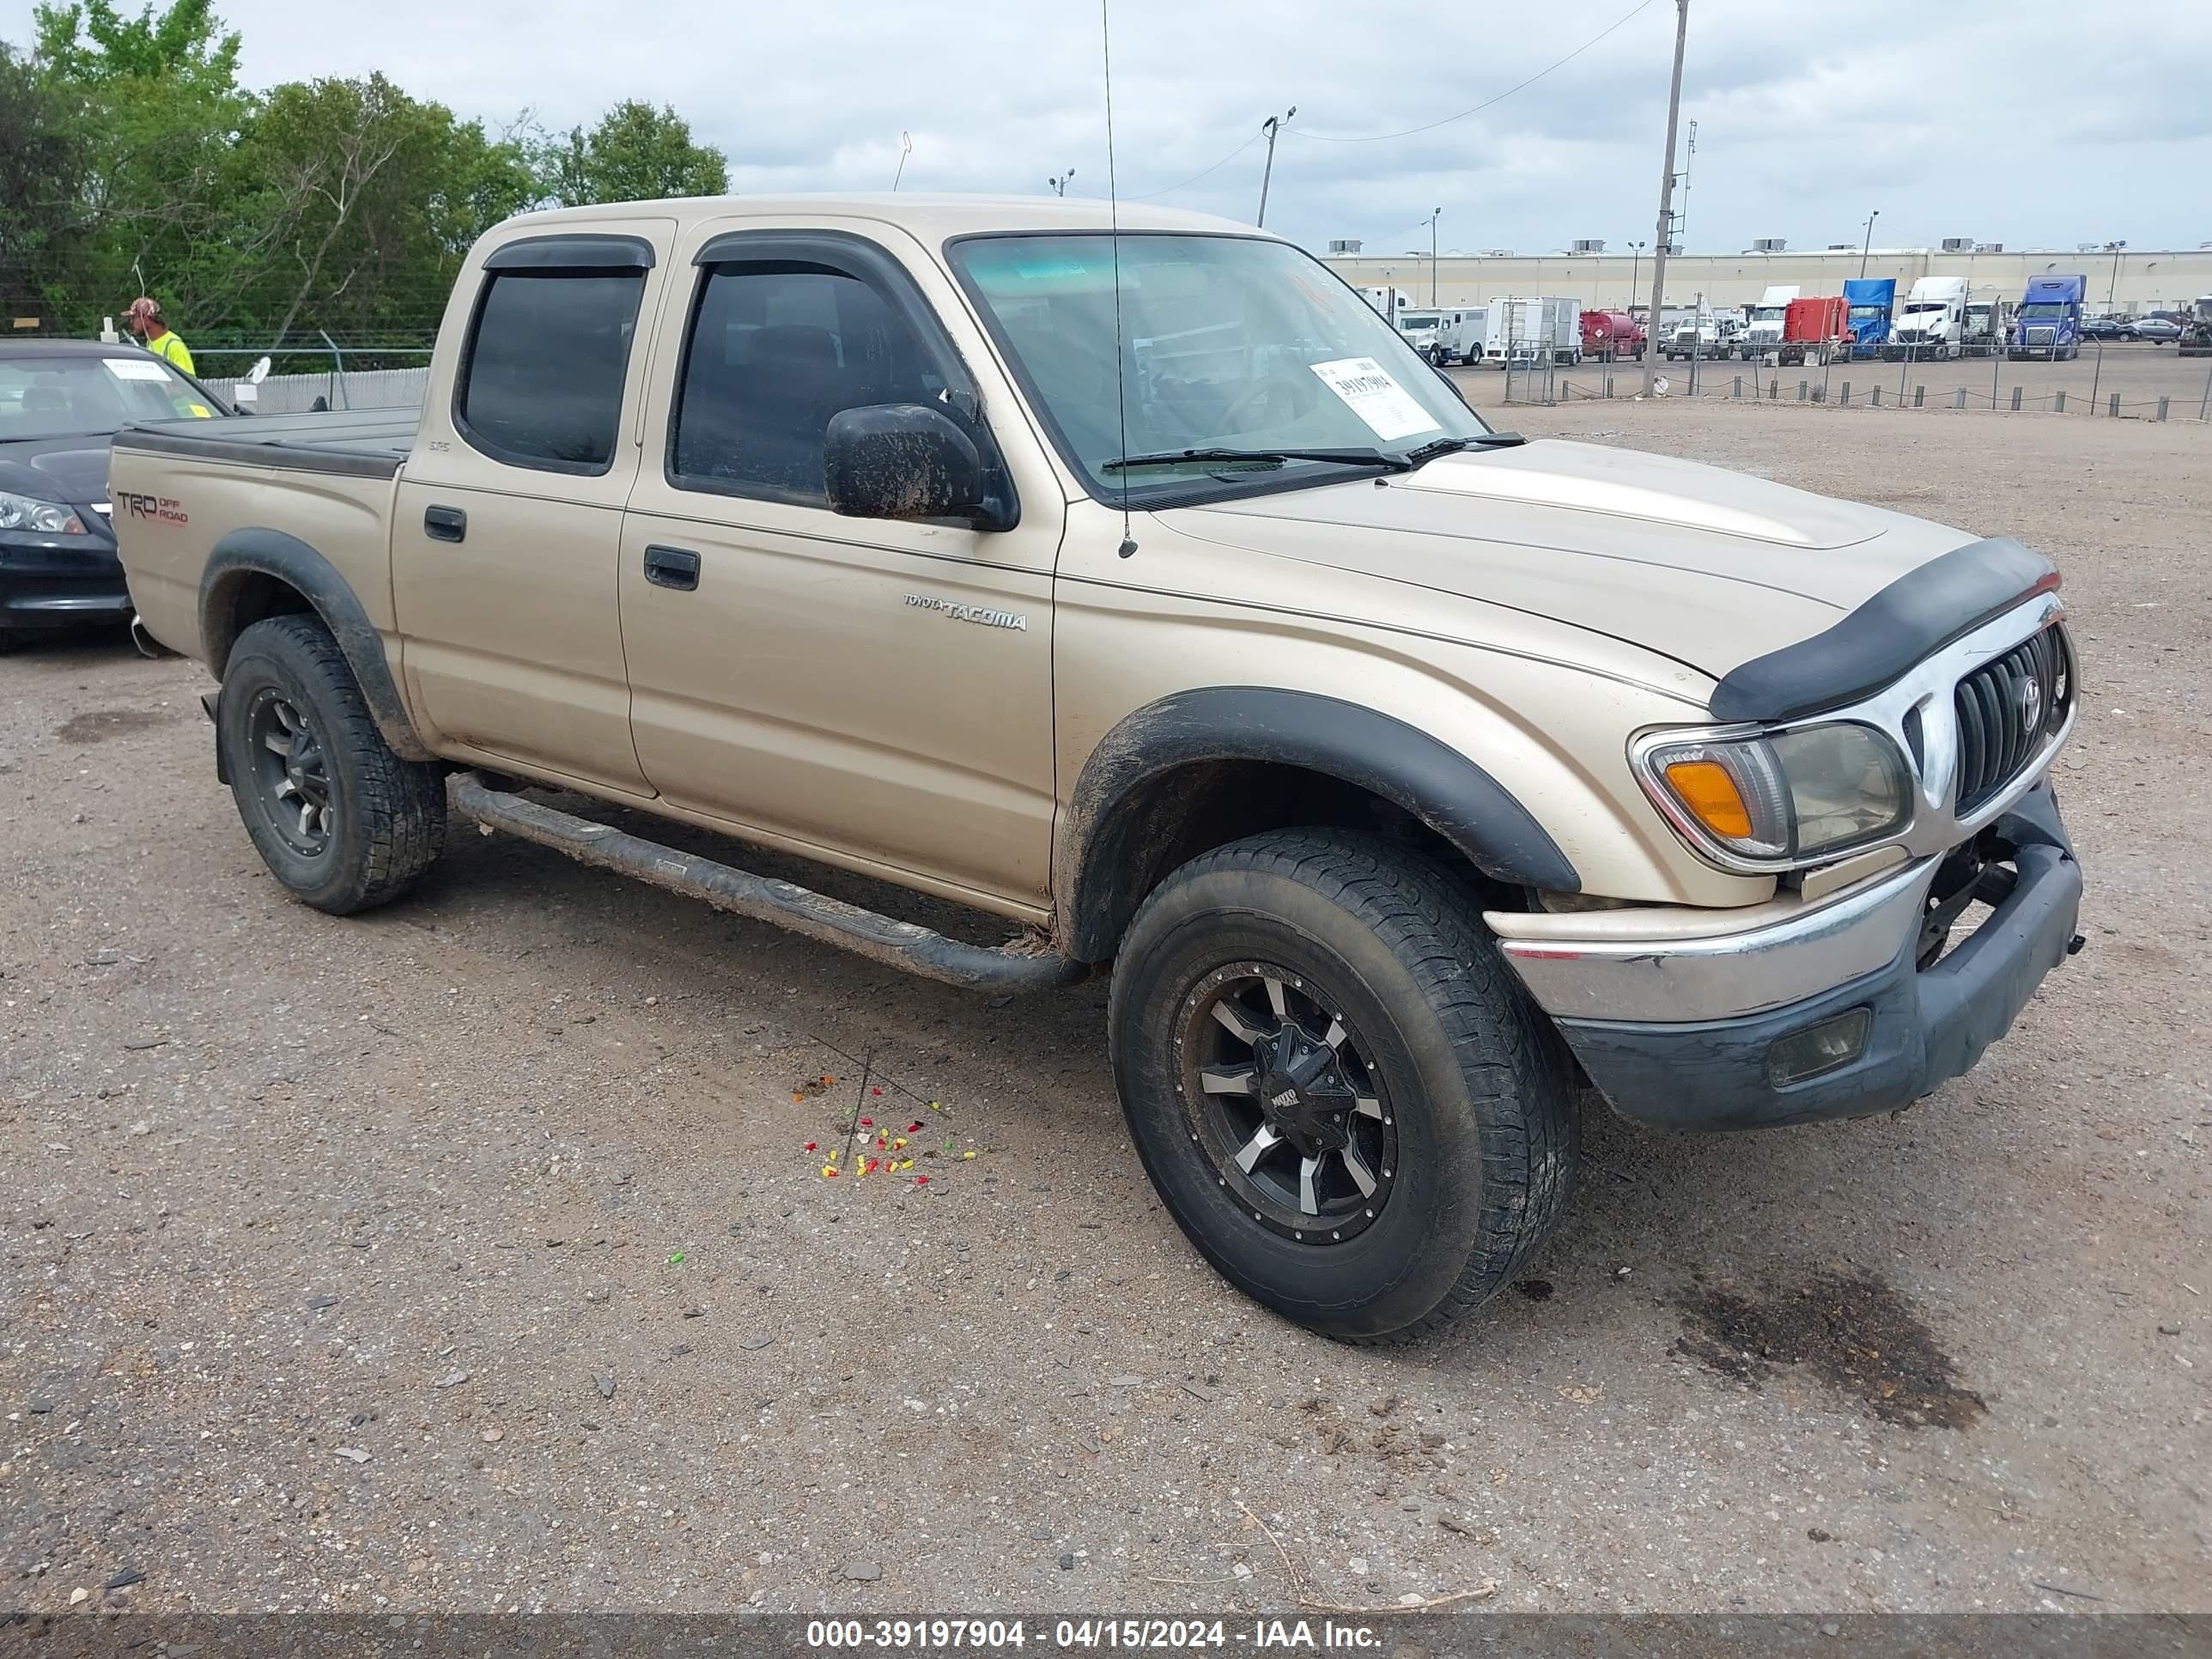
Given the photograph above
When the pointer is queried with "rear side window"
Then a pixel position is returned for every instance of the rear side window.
(776, 349)
(542, 383)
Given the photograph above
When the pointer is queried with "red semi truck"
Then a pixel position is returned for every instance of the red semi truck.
(1608, 336)
(1813, 331)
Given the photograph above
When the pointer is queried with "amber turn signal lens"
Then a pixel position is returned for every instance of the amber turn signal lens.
(1706, 787)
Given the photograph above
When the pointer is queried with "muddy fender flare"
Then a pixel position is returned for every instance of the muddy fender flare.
(243, 555)
(1370, 751)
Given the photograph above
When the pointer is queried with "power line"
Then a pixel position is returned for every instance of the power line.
(1378, 138)
(1150, 194)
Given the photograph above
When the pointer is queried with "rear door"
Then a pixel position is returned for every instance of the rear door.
(508, 512)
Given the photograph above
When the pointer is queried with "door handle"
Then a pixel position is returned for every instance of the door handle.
(445, 524)
(672, 567)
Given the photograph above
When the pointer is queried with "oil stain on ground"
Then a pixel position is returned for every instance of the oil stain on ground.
(102, 724)
(1854, 1332)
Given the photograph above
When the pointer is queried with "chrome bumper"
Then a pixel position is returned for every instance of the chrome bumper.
(1678, 964)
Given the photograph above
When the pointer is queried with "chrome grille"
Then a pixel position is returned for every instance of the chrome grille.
(2008, 710)
(2041, 335)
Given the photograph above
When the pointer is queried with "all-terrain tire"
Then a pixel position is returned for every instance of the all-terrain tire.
(385, 822)
(1476, 1082)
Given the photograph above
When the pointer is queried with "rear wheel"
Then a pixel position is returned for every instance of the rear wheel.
(1343, 1096)
(340, 820)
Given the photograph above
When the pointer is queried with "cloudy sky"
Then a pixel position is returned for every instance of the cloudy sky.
(2033, 122)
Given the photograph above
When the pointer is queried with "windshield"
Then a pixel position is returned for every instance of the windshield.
(45, 396)
(1767, 313)
(1228, 342)
(1914, 308)
(1410, 320)
(2043, 309)
(1867, 314)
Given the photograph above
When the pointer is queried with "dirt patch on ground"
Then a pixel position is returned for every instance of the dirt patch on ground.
(1852, 1331)
(99, 724)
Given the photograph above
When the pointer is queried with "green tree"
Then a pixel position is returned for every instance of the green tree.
(636, 153)
(40, 165)
(93, 43)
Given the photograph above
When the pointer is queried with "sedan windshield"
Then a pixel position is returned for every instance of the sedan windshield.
(57, 397)
(1226, 344)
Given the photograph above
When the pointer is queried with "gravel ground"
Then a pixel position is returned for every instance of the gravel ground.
(469, 1255)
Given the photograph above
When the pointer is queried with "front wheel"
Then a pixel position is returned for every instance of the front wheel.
(341, 821)
(1344, 1098)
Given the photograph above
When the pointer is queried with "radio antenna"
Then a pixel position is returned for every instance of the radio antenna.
(1113, 220)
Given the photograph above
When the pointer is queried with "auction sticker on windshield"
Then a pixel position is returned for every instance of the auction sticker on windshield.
(1369, 392)
(134, 368)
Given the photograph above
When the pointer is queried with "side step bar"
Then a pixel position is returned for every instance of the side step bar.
(1019, 966)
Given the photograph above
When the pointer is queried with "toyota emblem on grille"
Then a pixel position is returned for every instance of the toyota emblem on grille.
(2031, 701)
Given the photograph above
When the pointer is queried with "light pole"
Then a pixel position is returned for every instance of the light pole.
(1435, 216)
(1635, 263)
(1868, 246)
(1272, 125)
(1058, 182)
(1666, 198)
(2117, 249)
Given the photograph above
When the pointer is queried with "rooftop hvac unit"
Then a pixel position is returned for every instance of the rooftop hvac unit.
(1958, 245)
(1589, 248)
(1345, 245)
(1768, 244)
(1497, 253)
(1989, 248)
(1841, 248)
(2089, 248)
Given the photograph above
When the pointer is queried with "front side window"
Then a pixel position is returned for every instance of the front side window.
(1223, 342)
(776, 349)
(542, 384)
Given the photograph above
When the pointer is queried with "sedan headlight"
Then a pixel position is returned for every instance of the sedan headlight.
(1775, 800)
(37, 517)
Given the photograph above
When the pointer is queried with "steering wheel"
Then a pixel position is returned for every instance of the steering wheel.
(1281, 383)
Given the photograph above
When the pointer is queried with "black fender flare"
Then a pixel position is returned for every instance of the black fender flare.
(243, 554)
(1374, 752)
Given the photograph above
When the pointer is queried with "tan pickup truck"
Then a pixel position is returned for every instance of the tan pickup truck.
(1145, 590)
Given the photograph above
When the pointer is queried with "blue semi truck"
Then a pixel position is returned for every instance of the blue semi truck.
(1870, 302)
(2049, 321)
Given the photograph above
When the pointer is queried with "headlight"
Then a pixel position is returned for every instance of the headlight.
(1778, 799)
(39, 518)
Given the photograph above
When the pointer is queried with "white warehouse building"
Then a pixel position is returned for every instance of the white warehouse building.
(1606, 278)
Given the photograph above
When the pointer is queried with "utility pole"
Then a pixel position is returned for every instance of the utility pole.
(1868, 246)
(1433, 217)
(1271, 126)
(1059, 181)
(1666, 199)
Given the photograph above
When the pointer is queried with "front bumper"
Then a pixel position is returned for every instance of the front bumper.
(47, 587)
(1681, 1033)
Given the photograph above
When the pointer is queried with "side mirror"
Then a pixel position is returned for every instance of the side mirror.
(258, 372)
(908, 461)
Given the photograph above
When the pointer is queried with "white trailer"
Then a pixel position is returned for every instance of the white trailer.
(1533, 331)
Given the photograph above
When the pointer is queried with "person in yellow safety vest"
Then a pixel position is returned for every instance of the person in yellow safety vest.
(144, 320)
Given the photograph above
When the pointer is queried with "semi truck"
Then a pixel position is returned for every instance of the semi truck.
(1388, 302)
(1983, 332)
(1762, 323)
(1869, 301)
(1932, 324)
(2048, 324)
(1813, 331)
(2196, 330)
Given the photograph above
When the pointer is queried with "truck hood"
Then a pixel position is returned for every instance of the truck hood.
(1707, 567)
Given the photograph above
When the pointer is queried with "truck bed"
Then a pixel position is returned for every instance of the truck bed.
(362, 443)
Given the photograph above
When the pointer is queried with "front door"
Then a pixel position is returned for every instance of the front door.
(509, 510)
(874, 692)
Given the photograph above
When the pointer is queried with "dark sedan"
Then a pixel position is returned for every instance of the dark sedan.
(61, 402)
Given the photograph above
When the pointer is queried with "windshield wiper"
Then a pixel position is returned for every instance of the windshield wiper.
(1436, 446)
(1341, 457)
